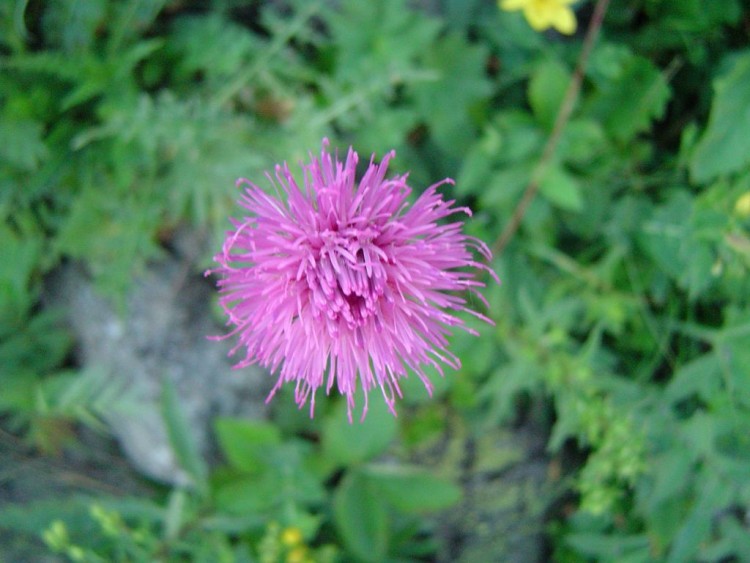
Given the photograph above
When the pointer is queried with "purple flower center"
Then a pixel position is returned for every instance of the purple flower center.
(345, 273)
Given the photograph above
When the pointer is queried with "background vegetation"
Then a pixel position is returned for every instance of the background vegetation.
(624, 305)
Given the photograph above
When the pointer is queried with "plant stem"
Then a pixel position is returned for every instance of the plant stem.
(561, 120)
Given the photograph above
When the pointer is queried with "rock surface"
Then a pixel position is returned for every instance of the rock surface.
(506, 492)
(161, 334)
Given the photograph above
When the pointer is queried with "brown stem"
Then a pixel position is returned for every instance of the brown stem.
(561, 120)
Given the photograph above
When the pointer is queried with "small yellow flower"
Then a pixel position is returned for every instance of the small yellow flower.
(291, 537)
(297, 555)
(543, 14)
(742, 205)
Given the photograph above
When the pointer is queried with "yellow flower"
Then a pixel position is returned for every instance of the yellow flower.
(297, 555)
(291, 537)
(543, 14)
(742, 206)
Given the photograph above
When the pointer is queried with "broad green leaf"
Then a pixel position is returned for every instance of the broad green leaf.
(628, 103)
(250, 495)
(361, 518)
(724, 146)
(242, 441)
(583, 141)
(561, 189)
(412, 489)
(547, 87)
(284, 482)
(182, 441)
(350, 443)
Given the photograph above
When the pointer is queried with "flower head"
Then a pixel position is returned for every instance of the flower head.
(543, 14)
(344, 282)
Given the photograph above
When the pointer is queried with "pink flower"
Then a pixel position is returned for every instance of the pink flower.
(344, 282)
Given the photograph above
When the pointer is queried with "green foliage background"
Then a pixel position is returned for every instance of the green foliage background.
(624, 299)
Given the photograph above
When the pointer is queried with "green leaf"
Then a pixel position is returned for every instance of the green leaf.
(696, 527)
(282, 483)
(370, 39)
(549, 81)
(561, 189)
(21, 143)
(700, 377)
(212, 45)
(73, 25)
(243, 441)
(414, 390)
(724, 146)
(114, 235)
(627, 104)
(476, 167)
(446, 104)
(361, 518)
(37, 345)
(249, 495)
(413, 489)
(348, 443)
(678, 238)
(180, 438)
(610, 547)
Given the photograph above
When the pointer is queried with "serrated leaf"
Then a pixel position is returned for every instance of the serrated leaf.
(371, 39)
(700, 377)
(212, 45)
(115, 235)
(696, 527)
(361, 518)
(724, 147)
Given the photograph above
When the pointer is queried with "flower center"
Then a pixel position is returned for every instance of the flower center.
(346, 278)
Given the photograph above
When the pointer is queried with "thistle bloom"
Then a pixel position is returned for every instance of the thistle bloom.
(543, 14)
(344, 282)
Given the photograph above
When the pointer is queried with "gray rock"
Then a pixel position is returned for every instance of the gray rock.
(162, 333)
(506, 491)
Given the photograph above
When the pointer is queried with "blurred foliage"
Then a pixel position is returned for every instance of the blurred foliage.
(624, 302)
